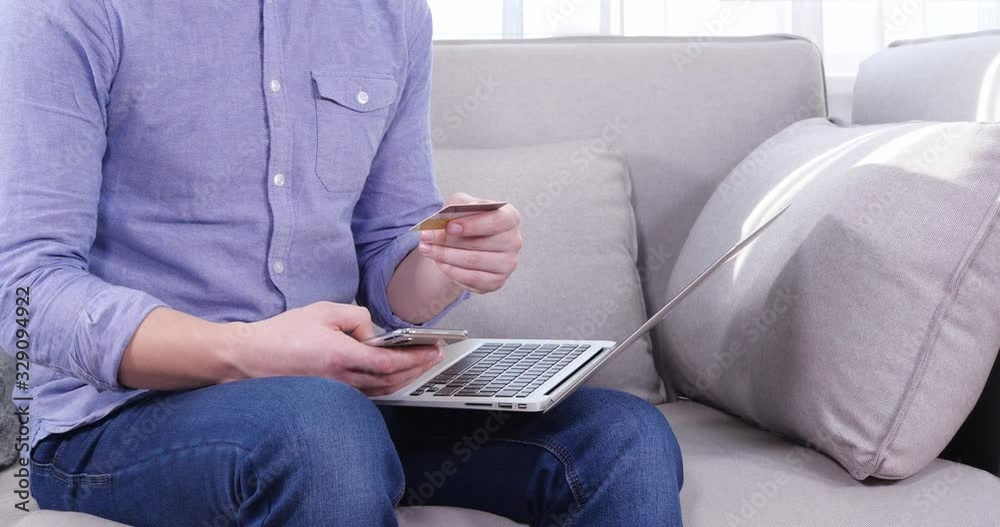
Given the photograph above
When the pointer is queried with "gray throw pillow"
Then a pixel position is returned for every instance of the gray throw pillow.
(577, 276)
(865, 321)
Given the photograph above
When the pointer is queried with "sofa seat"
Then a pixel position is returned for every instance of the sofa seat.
(735, 475)
(738, 475)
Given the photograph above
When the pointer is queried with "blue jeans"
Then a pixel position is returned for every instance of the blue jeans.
(298, 451)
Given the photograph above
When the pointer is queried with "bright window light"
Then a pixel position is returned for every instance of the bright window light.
(550, 18)
(848, 30)
(467, 19)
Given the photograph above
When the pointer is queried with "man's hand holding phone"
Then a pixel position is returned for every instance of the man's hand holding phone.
(323, 339)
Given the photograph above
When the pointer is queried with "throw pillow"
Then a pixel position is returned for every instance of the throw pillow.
(577, 277)
(865, 321)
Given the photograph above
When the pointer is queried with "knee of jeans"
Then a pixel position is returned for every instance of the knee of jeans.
(633, 431)
(323, 427)
(307, 410)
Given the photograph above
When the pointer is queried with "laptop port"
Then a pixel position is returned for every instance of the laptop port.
(505, 405)
(522, 405)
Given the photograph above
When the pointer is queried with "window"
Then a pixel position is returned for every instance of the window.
(847, 30)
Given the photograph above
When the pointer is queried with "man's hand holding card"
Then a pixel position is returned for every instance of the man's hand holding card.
(473, 241)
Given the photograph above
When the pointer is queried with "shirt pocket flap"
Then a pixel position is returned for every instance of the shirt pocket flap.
(359, 92)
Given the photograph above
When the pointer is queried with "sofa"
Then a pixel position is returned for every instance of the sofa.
(694, 109)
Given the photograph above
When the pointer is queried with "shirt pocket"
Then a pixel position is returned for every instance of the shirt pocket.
(351, 114)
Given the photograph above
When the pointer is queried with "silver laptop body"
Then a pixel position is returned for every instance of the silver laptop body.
(528, 375)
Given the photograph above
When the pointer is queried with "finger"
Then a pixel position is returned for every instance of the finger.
(388, 361)
(503, 242)
(461, 198)
(353, 320)
(362, 331)
(486, 223)
(375, 385)
(475, 281)
(491, 262)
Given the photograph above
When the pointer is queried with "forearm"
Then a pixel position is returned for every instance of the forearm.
(419, 290)
(175, 351)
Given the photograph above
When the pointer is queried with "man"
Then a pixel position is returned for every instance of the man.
(196, 191)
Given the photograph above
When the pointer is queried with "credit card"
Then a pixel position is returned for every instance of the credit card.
(440, 219)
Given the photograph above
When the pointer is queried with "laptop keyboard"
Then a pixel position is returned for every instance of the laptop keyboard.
(502, 370)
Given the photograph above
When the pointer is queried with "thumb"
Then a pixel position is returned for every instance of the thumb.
(461, 198)
(356, 321)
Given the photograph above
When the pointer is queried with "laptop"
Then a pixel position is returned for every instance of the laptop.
(528, 375)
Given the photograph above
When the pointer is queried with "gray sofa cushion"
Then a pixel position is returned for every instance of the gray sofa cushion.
(577, 276)
(953, 78)
(451, 517)
(736, 475)
(684, 112)
(865, 321)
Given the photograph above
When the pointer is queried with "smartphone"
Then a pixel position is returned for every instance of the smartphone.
(402, 338)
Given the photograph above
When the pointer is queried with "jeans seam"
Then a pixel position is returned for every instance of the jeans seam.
(82, 479)
(172, 451)
(564, 457)
(55, 455)
(398, 498)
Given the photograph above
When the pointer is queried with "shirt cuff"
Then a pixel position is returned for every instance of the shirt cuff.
(377, 280)
(103, 331)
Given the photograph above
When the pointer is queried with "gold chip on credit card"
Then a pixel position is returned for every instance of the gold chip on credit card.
(440, 219)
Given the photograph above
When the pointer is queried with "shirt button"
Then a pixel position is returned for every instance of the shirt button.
(275, 85)
(279, 266)
(362, 97)
(279, 180)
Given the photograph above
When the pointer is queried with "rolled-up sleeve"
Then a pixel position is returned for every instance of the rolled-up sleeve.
(400, 190)
(56, 80)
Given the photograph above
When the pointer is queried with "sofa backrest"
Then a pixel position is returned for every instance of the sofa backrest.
(952, 78)
(684, 112)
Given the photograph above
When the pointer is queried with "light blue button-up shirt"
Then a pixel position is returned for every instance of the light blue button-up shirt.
(229, 159)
